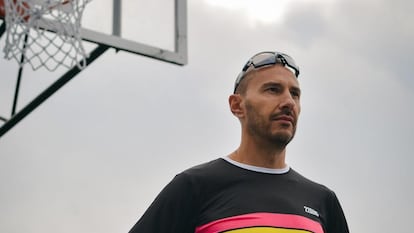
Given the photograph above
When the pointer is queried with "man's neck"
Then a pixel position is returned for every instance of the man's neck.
(251, 153)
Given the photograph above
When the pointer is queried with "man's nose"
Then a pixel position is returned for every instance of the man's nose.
(287, 101)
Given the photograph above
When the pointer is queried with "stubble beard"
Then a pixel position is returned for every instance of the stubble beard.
(260, 127)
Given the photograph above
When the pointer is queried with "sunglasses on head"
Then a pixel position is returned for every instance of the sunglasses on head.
(265, 59)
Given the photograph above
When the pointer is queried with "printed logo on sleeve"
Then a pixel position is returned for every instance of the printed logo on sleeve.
(311, 211)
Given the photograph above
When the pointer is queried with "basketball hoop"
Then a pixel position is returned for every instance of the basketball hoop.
(44, 32)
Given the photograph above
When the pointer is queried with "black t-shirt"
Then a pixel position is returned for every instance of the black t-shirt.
(221, 196)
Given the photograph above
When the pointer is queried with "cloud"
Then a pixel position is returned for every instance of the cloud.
(97, 152)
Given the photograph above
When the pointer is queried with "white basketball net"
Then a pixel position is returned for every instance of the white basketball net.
(27, 37)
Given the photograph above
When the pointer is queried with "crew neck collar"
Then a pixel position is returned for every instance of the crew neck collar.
(257, 168)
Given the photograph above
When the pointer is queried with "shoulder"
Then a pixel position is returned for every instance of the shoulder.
(207, 177)
(311, 186)
(210, 168)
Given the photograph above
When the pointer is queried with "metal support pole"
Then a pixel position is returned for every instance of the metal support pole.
(117, 14)
(2, 28)
(51, 90)
(19, 76)
(180, 46)
(3, 119)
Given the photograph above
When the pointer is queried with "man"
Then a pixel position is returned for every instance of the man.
(252, 190)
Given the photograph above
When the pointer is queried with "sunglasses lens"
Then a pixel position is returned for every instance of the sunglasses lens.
(270, 58)
(264, 59)
(291, 63)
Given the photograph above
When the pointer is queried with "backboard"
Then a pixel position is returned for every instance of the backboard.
(156, 28)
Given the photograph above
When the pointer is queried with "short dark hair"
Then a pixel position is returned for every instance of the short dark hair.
(242, 85)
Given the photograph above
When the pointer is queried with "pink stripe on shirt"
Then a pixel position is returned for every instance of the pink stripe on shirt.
(289, 221)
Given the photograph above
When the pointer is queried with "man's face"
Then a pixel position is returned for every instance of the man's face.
(271, 104)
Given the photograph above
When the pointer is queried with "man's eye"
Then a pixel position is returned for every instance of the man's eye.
(273, 89)
(295, 94)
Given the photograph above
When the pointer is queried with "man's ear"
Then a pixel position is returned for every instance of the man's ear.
(236, 107)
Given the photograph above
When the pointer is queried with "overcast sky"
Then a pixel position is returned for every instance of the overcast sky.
(93, 156)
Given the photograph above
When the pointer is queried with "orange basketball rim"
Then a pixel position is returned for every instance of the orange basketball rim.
(2, 10)
(21, 10)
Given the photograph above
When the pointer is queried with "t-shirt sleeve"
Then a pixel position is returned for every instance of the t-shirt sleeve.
(336, 221)
(172, 211)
